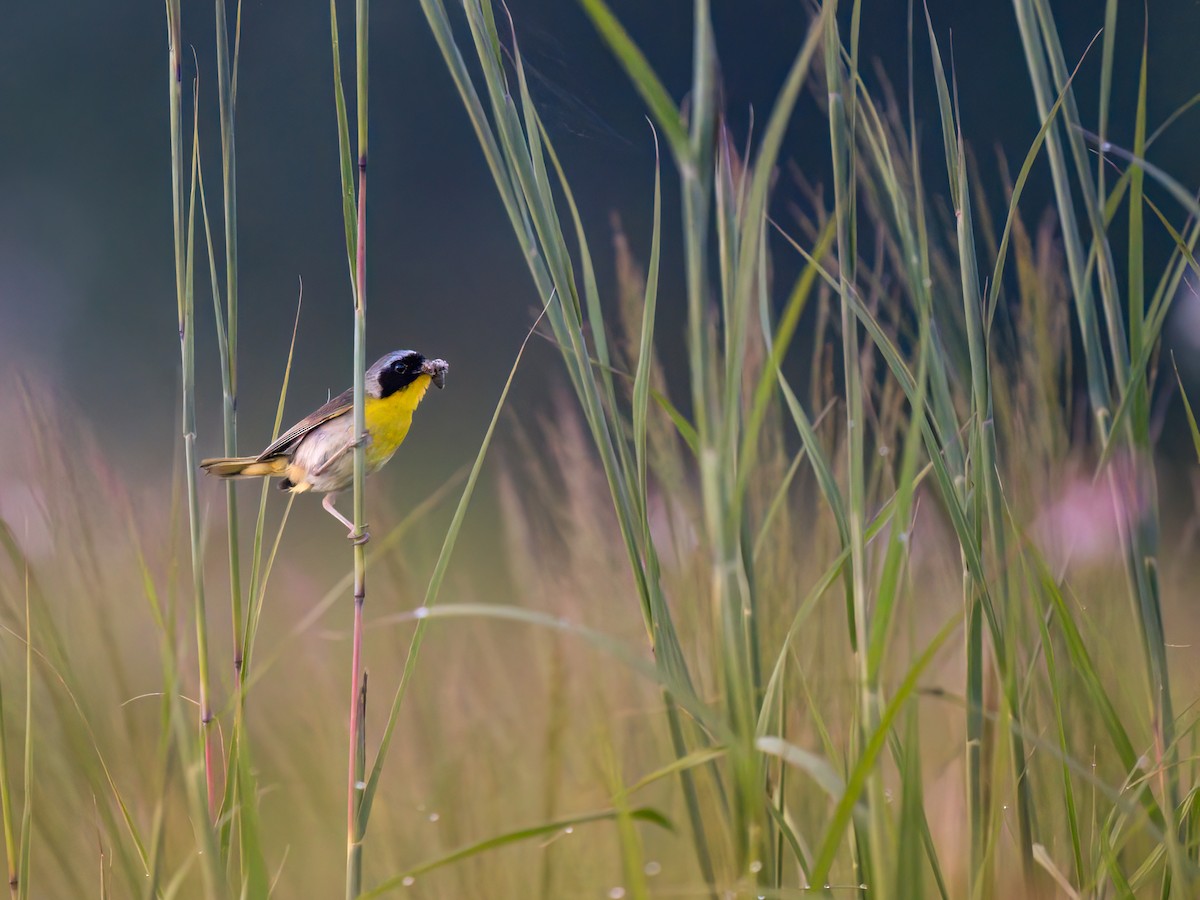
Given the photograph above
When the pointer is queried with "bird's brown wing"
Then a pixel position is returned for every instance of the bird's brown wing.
(338, 406)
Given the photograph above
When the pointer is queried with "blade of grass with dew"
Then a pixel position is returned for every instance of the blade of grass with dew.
(641, 814)
(680, 692)
(635, 661)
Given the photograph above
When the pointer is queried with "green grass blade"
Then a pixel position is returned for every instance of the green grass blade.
(641, 814)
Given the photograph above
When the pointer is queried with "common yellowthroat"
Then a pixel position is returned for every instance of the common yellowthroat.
(316, 454)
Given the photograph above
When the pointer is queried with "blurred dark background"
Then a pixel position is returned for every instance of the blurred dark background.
(87, 301)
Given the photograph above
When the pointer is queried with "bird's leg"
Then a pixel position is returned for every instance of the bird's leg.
(363, 440)
(353, 535)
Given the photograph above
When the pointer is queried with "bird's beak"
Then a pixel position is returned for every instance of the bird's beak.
(436, 369)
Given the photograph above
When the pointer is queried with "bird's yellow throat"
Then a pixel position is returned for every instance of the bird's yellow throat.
(389, 418)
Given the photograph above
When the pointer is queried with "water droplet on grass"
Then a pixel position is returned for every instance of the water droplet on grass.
(756, 866)
(652, 868)
(408, 881)
(433, 817)
(360, 785)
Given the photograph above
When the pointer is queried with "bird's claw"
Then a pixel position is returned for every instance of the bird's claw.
(359, 539)
(364, 440)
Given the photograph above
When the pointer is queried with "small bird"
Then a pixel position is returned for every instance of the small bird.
(316, 454)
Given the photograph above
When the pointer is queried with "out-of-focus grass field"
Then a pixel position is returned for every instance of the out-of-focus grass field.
(881, 588)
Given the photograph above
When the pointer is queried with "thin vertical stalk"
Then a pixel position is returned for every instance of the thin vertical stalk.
(226, 78)
(841, 123)
(357, 763)
(10, 832)
(186, 310)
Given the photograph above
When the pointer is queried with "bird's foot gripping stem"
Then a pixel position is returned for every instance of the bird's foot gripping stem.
(354, 536)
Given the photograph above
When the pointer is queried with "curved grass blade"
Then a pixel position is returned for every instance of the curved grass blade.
(404, 879)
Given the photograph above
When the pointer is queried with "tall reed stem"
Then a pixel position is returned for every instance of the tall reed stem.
(226, 81)
(357, 764)
(186, 309)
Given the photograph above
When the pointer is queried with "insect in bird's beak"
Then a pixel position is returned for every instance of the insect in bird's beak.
(436, 369)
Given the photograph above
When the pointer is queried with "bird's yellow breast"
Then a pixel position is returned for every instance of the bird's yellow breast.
(389, 418)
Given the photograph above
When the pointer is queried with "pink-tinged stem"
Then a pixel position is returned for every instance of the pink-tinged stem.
(357, 710)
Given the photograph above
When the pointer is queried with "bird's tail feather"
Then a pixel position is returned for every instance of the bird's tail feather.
(245, 466)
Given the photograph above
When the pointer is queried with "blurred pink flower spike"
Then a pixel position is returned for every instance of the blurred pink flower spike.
(1089, 519)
